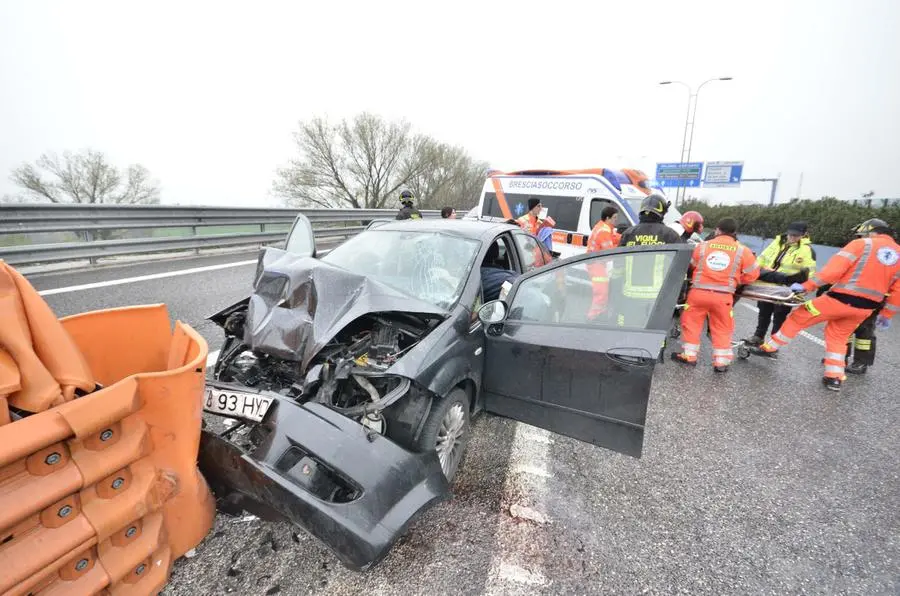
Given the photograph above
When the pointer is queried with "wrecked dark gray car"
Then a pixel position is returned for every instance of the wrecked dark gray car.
(353, 377)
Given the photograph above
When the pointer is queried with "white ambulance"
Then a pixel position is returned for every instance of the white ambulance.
(573, 198)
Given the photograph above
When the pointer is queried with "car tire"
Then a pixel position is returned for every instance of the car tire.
(447, 430)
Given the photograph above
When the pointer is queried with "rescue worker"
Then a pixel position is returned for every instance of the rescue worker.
(603, 237)
(692, 222)
(718, 267)
(861, 275)
(531, 221)
(408, 211)
(790, 253)
(862, 343)
(642, 284)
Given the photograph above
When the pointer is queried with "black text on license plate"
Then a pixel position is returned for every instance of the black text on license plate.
(236, 403)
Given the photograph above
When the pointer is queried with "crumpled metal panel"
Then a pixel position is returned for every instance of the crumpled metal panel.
(300, 303)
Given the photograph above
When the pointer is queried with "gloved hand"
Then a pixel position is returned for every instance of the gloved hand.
(798, 288)
(882, 322)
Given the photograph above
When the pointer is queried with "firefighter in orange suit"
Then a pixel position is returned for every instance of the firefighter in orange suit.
(718, 266)
(603, 237)
(861, 275)
(531, 221)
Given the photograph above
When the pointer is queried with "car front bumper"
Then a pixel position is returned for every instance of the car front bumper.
(348, 486)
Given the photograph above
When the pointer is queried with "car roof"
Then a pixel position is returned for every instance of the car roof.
(466, 228)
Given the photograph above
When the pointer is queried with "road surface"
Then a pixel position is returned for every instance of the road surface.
(758, 481)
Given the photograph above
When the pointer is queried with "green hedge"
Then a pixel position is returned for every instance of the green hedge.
(830, 220)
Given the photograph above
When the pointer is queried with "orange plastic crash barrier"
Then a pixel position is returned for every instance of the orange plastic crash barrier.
(99, 486)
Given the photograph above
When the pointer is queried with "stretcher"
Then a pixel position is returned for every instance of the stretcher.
(781, 295)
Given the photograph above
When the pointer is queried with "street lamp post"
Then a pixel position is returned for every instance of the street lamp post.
(689, 120)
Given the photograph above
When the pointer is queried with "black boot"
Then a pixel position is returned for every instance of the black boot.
(679, 357)
(755, 340)
(857, 368)
(831, 383)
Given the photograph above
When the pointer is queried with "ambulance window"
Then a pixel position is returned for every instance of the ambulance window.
(565, 211)
(597, 206)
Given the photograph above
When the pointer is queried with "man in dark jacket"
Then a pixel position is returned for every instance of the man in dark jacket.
(642, 284)
(408, 211)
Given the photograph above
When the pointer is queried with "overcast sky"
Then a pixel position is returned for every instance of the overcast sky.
(207, 94)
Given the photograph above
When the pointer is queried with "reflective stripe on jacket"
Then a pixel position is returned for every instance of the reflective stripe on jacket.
(722, 264)
(643, 282)
(866, 267)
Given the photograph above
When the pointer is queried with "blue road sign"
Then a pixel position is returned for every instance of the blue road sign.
(723, 174)
(679, 174)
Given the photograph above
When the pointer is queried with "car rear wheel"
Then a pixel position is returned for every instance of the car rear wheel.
(447, 431)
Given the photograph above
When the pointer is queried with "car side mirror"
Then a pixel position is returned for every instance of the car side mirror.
(492, 312)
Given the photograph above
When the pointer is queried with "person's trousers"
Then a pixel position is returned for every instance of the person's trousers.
(864, 341)
(840, 320)
(599, 289)
(718, 307)
(770, 313)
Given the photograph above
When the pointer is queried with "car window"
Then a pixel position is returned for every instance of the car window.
(429, 266)
(604, 292)
(534, 254)
(597, 206)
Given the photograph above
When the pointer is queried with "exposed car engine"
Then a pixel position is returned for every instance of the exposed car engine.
(349, 374)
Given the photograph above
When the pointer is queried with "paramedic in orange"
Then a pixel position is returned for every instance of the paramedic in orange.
(718, 266)
(861, 275)
(603, 237)
(531, 222)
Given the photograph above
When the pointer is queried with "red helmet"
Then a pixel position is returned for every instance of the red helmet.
(692, 222)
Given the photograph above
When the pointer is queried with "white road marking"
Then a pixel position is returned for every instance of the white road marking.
(533, 470)
(140, 278)
(808, 336)
(524, 489)
(520, 575)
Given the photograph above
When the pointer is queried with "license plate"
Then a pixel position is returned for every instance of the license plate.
(236, 404)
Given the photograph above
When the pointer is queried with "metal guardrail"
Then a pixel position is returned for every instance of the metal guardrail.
(92, 222)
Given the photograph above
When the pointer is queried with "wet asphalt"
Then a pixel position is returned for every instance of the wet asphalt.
(758, 481)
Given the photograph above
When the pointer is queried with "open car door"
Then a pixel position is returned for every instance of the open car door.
(572, 349)
(301, 240)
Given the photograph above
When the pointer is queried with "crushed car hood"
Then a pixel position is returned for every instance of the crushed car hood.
(300, 303)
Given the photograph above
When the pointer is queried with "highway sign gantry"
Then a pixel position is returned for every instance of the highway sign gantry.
(679, 174)
(723, 174)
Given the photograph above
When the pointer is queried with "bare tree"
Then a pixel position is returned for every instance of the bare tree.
(363, 163)
(85, 177)
(455, 180)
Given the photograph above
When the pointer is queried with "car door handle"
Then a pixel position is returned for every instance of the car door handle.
(631, 356)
